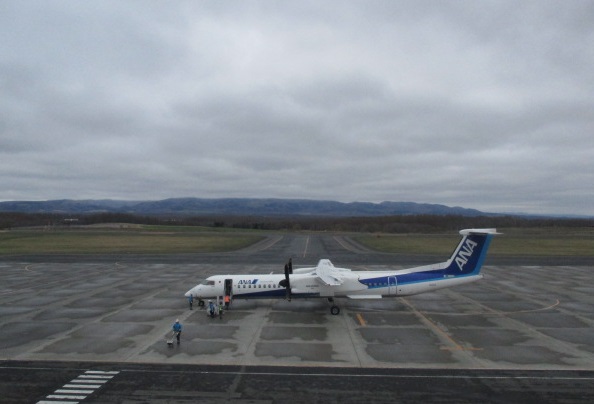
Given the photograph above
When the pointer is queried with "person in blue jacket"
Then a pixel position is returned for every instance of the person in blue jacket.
(211, 309)
(177, 329)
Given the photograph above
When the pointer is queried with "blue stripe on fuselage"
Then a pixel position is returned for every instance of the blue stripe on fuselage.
(474, 262)
(269, 294)
(407, 279)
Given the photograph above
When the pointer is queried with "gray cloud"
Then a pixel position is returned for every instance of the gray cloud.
(478, 104)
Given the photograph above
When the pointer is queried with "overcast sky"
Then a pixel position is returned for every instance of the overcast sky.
(480, 104)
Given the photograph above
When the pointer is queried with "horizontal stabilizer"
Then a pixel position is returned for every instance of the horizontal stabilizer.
(467, 232)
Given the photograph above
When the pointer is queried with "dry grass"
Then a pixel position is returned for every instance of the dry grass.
(537, 241)
(133, 242)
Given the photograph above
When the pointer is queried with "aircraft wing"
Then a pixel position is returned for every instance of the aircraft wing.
(332, 280)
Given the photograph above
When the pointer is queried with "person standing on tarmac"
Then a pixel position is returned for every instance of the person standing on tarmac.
(177, 329)
(211, 309)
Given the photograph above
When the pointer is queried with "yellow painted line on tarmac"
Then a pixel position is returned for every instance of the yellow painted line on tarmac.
(454, 345)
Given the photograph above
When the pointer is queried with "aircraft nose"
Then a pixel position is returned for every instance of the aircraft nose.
(189, 293)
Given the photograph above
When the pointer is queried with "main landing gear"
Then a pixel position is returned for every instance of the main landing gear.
(334, 309)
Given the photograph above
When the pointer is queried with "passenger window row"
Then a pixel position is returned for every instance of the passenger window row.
(256, 286)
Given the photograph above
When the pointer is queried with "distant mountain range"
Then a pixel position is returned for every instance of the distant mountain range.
(236, 206)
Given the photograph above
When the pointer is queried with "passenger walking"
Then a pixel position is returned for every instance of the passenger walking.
(177, 329)
(211, 309)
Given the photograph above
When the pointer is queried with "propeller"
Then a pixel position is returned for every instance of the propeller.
(286, 283)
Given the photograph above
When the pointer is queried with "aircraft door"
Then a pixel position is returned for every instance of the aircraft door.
(228, 292)
(392, 285)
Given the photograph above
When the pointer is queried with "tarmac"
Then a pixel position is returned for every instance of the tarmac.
(526, 317)
(536, 317)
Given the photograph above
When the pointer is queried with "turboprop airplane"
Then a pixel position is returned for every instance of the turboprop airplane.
(327, 281)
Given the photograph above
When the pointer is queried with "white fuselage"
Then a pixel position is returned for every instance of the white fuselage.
(327, 281)
(360, 284)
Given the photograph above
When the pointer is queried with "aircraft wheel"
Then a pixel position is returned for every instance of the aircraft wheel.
(334, 310)
(201, 303)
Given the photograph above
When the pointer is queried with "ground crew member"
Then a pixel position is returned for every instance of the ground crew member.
(177, 329)
(191, 300)
(227, 301)
(211, 309)
(221, 310)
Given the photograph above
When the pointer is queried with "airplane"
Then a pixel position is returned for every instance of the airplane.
(327, 281)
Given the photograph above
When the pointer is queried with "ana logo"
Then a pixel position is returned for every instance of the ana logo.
(465, 253)
(248, 281)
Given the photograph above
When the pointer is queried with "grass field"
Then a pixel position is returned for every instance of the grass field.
(135, 240)
(138, 239)
(531, 241)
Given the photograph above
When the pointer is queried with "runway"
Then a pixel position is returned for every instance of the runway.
(70, 314)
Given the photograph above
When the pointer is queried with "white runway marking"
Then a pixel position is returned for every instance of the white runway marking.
(306, 245)
(88, 381)
(56, 402)
(80, 388)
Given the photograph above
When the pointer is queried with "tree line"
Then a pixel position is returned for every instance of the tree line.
(368, 224)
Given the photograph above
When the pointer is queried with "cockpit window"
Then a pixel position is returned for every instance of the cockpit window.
(207, 282)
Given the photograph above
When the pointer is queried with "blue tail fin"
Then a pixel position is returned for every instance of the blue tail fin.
(470, 254)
